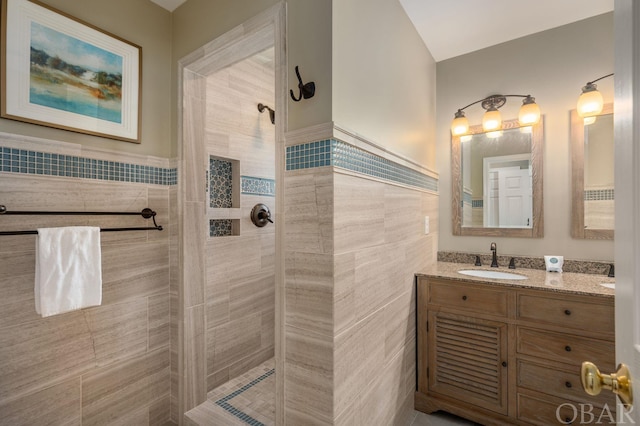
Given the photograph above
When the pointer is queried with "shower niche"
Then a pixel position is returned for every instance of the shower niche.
(223, 194)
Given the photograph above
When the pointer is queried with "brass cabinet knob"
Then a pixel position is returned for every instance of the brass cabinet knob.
(619, 382)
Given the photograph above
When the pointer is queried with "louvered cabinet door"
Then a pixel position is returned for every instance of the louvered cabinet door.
(468, 360)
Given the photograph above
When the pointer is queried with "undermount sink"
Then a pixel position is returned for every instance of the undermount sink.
(609, 285)
(496, 275)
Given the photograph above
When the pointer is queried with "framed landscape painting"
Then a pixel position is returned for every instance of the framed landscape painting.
(60, 72)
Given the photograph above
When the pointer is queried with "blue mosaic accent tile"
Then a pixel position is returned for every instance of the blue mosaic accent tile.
(310, 155)
(220, 227)
(336, 153)
(220, 183)
(466, 198)
(477, 204)
(13, 160)
(258, 186)
(224, 401)
(599, 194)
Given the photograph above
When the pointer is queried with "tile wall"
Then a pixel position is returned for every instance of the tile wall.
(354, 239)
(103, 365)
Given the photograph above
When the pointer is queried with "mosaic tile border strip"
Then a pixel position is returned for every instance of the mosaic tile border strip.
(477, 204)
(13, 160)
(258, 186)
(223, 402)
(332, 152)
(599, 194)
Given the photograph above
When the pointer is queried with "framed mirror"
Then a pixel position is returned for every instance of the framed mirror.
(497, 182)
(592, 170)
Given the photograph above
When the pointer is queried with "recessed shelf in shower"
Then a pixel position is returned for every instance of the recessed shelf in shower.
(224, 183)
(224, 187)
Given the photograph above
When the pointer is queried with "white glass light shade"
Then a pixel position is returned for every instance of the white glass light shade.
(589, 120)
(529, 114)
(459, 126)
(492, 120)
(590, 103)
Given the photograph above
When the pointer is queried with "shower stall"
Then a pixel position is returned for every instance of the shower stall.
(226, 309)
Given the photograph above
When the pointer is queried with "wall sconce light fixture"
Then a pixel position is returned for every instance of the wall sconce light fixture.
(492, 120)
(590, 102)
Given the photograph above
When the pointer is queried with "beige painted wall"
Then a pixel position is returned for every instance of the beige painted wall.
(383, 78)
(142, 23)
(197, 22)
(552, 66)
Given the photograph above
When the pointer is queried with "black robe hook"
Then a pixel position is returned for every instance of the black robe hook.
(306, 90)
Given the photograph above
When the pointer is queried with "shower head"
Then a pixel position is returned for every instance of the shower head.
(272, 113)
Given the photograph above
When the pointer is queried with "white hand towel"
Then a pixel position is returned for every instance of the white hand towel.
(68, 269)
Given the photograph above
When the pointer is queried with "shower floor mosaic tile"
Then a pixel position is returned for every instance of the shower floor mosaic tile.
(245, 400)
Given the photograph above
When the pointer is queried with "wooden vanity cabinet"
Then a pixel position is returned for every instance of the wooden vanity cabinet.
(508, 355)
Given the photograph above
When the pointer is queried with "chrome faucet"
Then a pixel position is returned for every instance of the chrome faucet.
(494, 256)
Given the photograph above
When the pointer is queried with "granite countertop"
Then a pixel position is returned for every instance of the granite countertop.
(565, 282)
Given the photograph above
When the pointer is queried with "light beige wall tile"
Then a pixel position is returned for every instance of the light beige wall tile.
(17, 276)
(378, 271)
(344, 303)
(359, 356)
(115, 392)
(55, 405)
(218, 378)
(233, 340)
(251, 361)
(218, 310)
(267, 333)
(409, 353)
(301, 417)
(175, 365)
(309, 211)
(32, 354)
(159, 322)
(195, 366)
(193, 259)
(402, 214)
(134, 270)
(399, 323)
(359, 213)
(384, 396)
(193, 168)
(231, 258)
(139, 416)
(251, 295)
(308, 375)
(159, 411)
(350, 416)
(309, 292)
(118, 331)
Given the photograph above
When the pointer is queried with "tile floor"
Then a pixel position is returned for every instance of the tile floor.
(250, 400)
